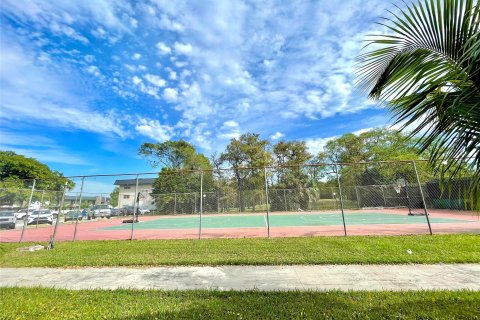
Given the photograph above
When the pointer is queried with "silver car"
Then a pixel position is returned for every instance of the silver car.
(7, 219)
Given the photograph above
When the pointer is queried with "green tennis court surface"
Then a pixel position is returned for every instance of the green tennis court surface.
(291, 220)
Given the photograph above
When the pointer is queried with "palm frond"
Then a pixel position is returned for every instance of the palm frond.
(427, 70)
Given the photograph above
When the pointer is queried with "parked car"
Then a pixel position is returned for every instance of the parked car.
(100, 211)
(126, 211)
(40, 216)
(22, 213)
(73, 215)
(114, 212)
(7, 219)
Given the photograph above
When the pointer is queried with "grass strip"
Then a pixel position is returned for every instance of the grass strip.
(42, 303)
(459, 248)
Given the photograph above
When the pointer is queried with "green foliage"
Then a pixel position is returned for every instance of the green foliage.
(427, 70)
(16, 178)
(114, 197)
(251, 152)
(178, 160)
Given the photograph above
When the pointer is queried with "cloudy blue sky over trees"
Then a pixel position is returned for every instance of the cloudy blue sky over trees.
(84, 83)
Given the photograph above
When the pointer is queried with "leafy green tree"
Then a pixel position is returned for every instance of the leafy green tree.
(250, 152)
(289, 155)
(427, 71)
(178, 160)
(114, 197)
(16, 178)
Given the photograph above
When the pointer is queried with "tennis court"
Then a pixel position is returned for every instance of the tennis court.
(246, 225)
(279, 220)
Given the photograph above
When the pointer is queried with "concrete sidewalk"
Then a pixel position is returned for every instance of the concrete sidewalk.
(322, 277)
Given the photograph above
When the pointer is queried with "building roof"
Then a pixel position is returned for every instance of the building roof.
(84, 198)
(128, 182)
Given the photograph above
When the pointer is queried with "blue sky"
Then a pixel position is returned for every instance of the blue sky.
(84, 83)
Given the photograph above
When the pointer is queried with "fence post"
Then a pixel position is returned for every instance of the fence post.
(175, 203)
(341, 199)
(79, 208)
(25, 221)
(266, 198)
(52, 238)
(423, 198)
(358, 197)
(135, 206)
(383, 195)
(201, 206)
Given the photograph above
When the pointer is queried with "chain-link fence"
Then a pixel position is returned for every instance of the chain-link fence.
(376, 198)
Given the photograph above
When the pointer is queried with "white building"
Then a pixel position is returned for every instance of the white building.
(126, 194)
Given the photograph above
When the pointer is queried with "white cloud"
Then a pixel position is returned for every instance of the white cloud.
(58, 102)
(154, 130)
(277, 135)
(94, 70)
(172, 75)
(163, 48)
(136, 56)
(229, 130)
(155, 80)
(136, 80)
(170, 94)
(183, 48)
(316, 145)
(170, 24)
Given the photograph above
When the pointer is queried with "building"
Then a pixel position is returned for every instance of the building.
(72, 201)
(126, 194)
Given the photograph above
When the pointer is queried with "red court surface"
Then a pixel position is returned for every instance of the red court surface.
(465, 222)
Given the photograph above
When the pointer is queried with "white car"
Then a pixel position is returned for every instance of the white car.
(40, 216)
(22, 213)
(100, 211)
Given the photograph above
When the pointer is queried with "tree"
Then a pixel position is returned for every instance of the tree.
(427, 70)
(289, 155)
(179, 161)
(114, 197)
(16, 178)
(251, 152)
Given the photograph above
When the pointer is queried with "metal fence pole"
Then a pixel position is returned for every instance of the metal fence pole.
(25, 221)
(423, 198)
(341, 200)
(135, 206)
(201, 206)
(358, 197)
(175, 203)
(52, 238)
(383, 195)
(79, 209)
(266, 198)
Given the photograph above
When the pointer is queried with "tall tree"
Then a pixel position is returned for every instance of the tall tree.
(114, 196)
(427, 70)
(289, 155)
(247, 151)
(178, 161)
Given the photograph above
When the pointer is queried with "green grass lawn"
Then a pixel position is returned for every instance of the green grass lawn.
(460, 248)
(36, 303)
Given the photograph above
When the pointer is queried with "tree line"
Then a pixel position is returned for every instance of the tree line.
(242, 186)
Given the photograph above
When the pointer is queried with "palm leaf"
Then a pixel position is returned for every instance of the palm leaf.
(427, 71)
